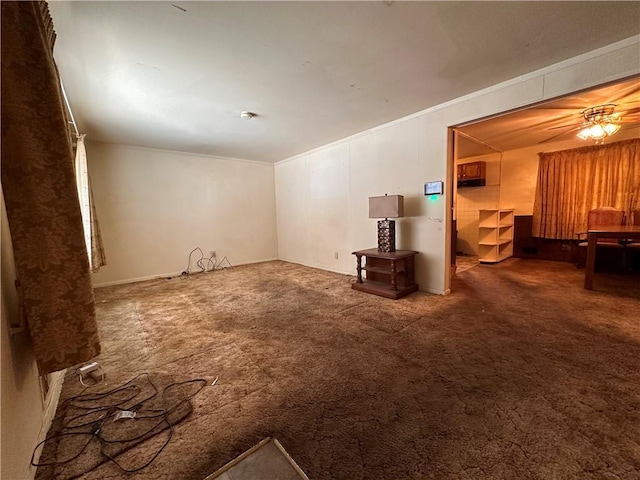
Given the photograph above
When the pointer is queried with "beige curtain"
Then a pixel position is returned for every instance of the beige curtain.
(40, 193)
(82, 183)
(92, 237)
(572, 182)
(98, 257)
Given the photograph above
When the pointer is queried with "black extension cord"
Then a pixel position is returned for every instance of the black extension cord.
(200, 263)
(105, 412)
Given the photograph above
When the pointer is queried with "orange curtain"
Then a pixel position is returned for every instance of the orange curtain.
(572, 182)
(38, 182)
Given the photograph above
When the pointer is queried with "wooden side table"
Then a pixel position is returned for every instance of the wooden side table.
(389, 274)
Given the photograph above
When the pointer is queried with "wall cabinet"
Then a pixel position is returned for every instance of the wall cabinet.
(472, 174)
(495, 236)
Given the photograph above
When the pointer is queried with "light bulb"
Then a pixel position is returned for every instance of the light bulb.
(597, 132)
(585, 133)
(611, 128)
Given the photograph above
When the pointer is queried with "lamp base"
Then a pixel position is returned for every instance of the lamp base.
(386, 235)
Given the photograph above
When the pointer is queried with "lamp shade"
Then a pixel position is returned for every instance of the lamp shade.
(388, 206)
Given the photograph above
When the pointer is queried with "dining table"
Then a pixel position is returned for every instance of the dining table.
(622, 232)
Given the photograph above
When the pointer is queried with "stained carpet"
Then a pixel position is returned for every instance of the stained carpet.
(519, 374)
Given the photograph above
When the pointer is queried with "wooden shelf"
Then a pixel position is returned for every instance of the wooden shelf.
(382, 289)
(389, 274)
(499, 242)
(382, 270)
(495, 235)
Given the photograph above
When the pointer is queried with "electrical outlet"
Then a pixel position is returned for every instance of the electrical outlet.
(212, 253)
(335, 255)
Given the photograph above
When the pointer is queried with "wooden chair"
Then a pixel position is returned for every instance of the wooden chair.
(601, 216)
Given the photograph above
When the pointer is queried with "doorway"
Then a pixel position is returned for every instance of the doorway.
(507, 145)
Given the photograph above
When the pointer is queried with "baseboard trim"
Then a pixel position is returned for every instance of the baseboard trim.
(168, 275)
(137, 279)
(50, 406)
(319, 267)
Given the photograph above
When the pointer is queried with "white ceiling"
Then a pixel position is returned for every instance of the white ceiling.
(177, 75)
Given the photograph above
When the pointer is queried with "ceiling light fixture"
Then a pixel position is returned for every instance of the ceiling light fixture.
(600, 122)
(247, 115)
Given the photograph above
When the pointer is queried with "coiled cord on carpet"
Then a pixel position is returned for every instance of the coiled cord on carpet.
(102, 410)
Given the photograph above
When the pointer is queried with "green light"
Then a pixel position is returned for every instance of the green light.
(433, 198)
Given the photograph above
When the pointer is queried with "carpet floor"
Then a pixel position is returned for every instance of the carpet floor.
(465, 262)
(518, 374)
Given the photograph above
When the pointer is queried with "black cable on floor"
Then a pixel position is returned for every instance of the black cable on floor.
(108, 411)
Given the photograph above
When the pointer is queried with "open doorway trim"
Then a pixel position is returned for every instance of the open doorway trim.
(451, 164)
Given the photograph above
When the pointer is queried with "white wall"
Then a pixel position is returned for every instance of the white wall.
(24, 416)
(399, 158)
(155, 206)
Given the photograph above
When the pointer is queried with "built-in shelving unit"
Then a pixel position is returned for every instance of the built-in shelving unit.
(495, 236)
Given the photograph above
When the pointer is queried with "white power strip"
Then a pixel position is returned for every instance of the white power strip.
(88, 368)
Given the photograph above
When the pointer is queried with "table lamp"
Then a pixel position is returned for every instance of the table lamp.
(389, 206)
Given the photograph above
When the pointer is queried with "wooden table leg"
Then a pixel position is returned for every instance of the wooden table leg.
(394, 281)
(359, 268)
(591, 261)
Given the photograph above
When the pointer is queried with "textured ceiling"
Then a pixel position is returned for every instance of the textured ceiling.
(558, 120)
(177, 75)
